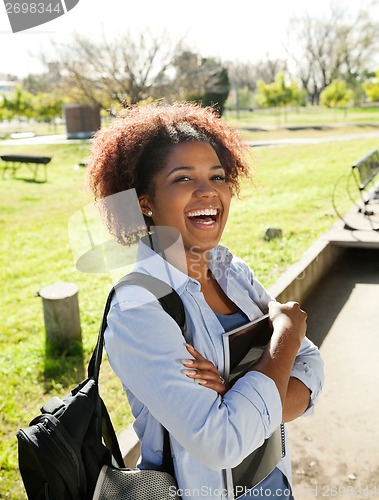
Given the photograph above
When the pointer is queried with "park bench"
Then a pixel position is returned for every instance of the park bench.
(15, 162)
(367, 169)
(363, 173)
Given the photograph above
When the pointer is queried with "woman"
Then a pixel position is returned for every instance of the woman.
(185, 164)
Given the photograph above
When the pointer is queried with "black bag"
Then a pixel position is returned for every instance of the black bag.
(63, 451)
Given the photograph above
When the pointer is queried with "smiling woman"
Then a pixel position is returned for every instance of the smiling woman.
(184, 164)
(192, 195)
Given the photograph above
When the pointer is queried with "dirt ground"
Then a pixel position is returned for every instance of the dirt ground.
(335, 452)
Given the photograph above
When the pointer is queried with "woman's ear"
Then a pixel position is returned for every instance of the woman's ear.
(145, 206)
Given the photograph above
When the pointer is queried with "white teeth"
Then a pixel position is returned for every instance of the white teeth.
(205, 211)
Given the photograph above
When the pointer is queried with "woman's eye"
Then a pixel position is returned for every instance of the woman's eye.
(219, 177)
(182, 178)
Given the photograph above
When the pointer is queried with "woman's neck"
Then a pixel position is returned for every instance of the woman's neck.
(198, 266)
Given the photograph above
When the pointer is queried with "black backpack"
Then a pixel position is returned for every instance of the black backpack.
(63, 450)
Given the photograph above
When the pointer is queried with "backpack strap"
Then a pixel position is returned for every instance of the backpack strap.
(167, 296)
(173, 305)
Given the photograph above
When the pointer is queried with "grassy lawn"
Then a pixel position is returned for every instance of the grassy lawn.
(292, 190)
(303, 116)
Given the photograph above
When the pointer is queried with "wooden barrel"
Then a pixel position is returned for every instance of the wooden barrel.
(61, 314)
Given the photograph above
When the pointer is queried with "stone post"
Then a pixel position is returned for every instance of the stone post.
(61, 314)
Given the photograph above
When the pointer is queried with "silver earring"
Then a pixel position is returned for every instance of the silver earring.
(149, 213)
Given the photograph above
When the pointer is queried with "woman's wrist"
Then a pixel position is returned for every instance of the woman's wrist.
(277, 360)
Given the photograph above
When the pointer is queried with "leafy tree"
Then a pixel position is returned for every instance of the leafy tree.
(371, 88)
(278, 93)
(47, 107)
(246, 75)
(3, 111)
(337, 94)
(355, 83)
(189, 76)
(241, 98)
(244, 78)
(204, 80)
(19, 103)
(332, 47)
(217, 85)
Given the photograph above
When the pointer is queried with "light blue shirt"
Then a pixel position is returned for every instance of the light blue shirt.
(209, 434)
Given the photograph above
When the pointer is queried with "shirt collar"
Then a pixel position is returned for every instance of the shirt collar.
(154, 264)
(150, 262)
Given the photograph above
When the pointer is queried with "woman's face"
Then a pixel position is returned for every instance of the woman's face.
(192, 195)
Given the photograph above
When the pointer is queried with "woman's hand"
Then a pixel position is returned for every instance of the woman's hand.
(288, 319)
(204, 372)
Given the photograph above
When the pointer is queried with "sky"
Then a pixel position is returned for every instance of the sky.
(243, 30)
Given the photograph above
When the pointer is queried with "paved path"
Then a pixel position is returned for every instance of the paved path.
(62, 139)
(335, 452)
(42, 139)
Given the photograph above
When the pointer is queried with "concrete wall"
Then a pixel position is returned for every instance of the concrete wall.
(303, 276)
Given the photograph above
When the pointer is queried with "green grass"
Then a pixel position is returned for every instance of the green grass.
(35, 252)
(302, 116)
(293, 192)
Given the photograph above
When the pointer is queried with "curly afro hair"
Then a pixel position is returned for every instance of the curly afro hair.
(134, 148)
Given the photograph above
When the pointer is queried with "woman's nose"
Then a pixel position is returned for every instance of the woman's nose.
(206, 190)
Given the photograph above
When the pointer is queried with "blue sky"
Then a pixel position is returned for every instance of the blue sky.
(237, 29)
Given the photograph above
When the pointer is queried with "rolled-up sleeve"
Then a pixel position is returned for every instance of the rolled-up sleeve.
(145, 348)
(309, 368)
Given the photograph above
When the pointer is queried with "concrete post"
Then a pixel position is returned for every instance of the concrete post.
(61, 314)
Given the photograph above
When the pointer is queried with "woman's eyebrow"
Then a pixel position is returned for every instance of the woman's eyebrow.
(177, 169)
(187, 169)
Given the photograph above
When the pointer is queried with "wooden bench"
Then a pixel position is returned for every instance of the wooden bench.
(367, 169)
(15, 162)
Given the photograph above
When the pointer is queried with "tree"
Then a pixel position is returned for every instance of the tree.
(3, 111)
(244, 78)
(110, 74)
(47, 107)
(128, 70)
(19, 104)
(204, 80)
(278, 93)
(189, 76)
(337, 94)
(46, 83)
(216, 85)
(329, 48)
(246, 75)
(371, 88)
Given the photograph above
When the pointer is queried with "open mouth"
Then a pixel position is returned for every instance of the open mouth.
(206, 216)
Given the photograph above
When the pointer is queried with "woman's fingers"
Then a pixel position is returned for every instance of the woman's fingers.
(199, 363)
(208, 379)
(203, 372)
(194, 352)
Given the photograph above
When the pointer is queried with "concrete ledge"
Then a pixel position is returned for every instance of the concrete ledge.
(300, 279)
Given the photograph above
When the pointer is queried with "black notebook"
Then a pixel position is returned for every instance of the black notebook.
(243, 346)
